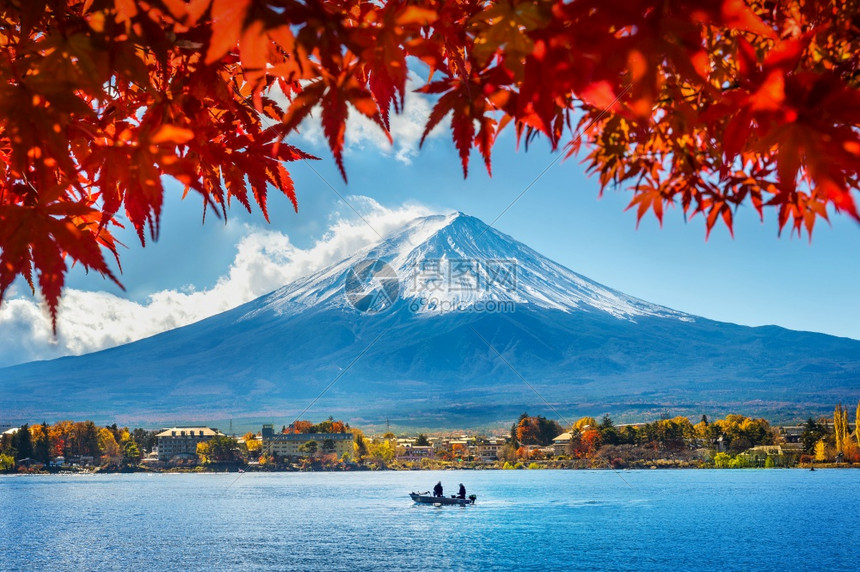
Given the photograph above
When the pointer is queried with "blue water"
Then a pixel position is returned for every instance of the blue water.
(523, 520)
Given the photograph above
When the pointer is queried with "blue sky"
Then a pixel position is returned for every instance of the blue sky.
(197, 269)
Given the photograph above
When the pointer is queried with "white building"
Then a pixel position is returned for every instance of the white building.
(182, 441)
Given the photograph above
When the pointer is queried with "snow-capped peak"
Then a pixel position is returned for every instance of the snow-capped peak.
(454, 262)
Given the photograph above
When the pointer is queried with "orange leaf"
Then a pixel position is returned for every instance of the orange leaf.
(228, 18)
(771, 94)
(125, 9)
(600, 94)
(171, 134)
(738, 14)
(253, 48)
(416, 15)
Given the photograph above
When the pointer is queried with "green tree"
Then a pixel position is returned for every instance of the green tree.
(740, 462)
(769, 462)
(42, 444)
(309, 449)
(722, 460)
(130, 452)
(327, 446)
(628, 435)
(7, 462)
(608, 433)
(23, 442)
(646, 436)
(813, 432)
(145, 439)
(6, 447)
(85, 439)
(422, 441)
(223, 449)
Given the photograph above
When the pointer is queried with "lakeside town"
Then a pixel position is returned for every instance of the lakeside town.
(533, 442)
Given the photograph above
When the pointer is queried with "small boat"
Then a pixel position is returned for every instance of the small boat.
(427, 498)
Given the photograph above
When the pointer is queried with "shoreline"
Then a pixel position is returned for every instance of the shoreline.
(244, 470)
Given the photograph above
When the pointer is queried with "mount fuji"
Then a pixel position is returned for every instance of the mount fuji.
(446, 322)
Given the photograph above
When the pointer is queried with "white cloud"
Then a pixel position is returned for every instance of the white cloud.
(362, 133)
(265, 260)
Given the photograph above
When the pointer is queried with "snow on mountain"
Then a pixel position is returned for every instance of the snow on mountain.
(447, 263)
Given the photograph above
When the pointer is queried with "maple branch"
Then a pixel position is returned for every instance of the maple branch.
(182, 89)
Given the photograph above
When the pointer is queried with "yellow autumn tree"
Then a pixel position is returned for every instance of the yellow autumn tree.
(359, 444)
(840, 427)
(820, 451)
(108, 447)
(203, 451)
(382, 450)
(251, 442)
(857, 424)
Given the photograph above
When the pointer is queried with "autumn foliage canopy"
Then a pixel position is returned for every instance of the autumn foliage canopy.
(705, 104)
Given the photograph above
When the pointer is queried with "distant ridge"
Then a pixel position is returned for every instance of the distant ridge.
(419, 353)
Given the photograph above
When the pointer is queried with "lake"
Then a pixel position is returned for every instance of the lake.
(523, 520)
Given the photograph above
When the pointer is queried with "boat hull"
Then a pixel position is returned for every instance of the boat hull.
(428, 499)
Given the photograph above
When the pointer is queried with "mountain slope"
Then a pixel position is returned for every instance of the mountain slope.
(451, 296)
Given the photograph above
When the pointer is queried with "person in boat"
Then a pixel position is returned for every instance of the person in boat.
(437, 490)
(462, 493)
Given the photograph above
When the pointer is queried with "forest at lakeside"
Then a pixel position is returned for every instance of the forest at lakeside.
(533, 442)
(725, 442)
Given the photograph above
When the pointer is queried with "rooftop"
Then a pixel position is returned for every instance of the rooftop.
(190, 431)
